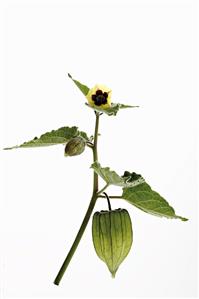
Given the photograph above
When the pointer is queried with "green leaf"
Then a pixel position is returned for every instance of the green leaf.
(137, 192)
(112, 178)
(84, 89)
(113, 110)
(149, 201)
(60, 136)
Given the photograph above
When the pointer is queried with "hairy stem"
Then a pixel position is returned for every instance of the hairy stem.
(88, 213)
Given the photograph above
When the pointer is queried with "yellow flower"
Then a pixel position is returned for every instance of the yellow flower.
(99, 96)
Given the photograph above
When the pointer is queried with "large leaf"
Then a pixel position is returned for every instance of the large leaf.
(149, 201)
(137, 192)
(60, 136)
(112, 178)
(84, 89)
(113, 110)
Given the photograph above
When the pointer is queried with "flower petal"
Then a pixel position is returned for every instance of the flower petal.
(99, 89)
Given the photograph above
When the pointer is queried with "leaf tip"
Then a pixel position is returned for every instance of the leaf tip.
(133, 106)
(69, 75)
(183, 219)
(9, 148)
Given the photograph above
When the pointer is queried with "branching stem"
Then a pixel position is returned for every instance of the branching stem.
(104, 188)
(87, 216)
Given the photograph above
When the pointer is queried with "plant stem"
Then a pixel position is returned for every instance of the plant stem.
(108, 201)
(95, 154)
(100, 191)
(88, 213)
(76, 241)
(102, 196)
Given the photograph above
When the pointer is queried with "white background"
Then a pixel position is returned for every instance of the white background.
(146, 52)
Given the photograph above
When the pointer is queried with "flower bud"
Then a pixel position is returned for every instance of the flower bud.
(75, 146)
(112, 237)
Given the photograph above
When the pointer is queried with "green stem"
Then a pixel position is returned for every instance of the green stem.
(88, 213)
(76, 241)
(104, 188)
(95, 154)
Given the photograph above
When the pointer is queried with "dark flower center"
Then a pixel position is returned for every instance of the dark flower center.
(100, 97)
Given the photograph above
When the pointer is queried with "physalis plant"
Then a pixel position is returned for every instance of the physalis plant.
(112, 231)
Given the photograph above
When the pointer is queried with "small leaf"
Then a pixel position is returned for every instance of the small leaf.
(149, 201)
(113, 110)
(112, 178)
(84, 89)
(60, 136)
